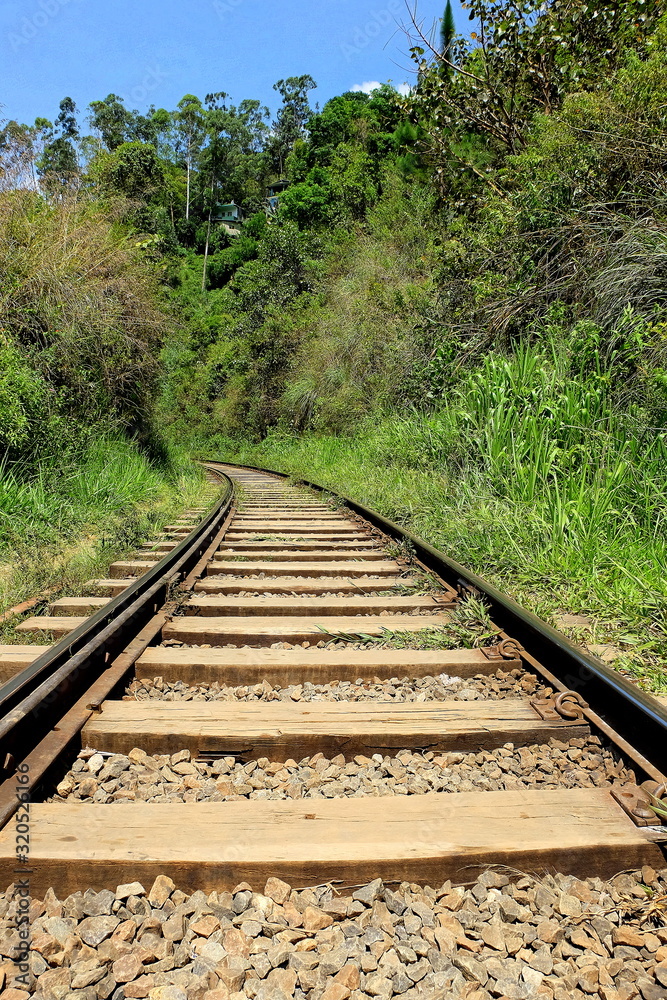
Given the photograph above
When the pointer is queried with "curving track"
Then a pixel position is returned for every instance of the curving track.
(280, 587)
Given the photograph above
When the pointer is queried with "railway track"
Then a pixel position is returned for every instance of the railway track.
(313, 611)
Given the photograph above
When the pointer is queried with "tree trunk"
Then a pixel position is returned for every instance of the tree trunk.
(208, 230)
(187, 199)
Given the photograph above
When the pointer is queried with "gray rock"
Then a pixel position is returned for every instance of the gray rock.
(418, 970)
(299, 961)
(425, 913)
(512, 989)
(376, 985)
(87, 977)
(279, 954)
(105, 987)
(130, 889)
(511, 911)
(241, 901)
(369, 893)
(418, 945)
(532, 977)
(333, 961)
(114, 767)
(372, 935)
(412, 923)
(73, 906)
(59, 928)
(542, 960)
(173, 929)
(97, 904)
(650, 991)
(395, 903)
(471, 968)
(252, 928)
(499, 968)
(94, 930)
(493, 936)
(405, 953)
(37, 963)
(368, 962)
(401, 982)
(467, 918)
(438, 961)
(493, 880)
(212, 952)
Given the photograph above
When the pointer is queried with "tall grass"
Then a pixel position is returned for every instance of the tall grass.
(49, 498)
(529, 473)
(63, 519)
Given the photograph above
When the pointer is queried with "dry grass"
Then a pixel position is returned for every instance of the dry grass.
(79, 296)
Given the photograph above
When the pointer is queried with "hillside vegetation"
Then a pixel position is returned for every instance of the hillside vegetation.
(456, 310)
(82, 474)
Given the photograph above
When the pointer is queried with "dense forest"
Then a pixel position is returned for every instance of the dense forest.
(450, 302)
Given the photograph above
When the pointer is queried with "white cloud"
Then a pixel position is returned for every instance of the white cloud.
(366, 88)
(371, 85)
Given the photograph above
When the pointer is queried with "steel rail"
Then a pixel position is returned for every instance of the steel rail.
(32, 700)
(639, 719)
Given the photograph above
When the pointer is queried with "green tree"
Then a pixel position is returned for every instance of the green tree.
(338, 170)
(67, 119)
(291, 119)
(58, 166)
(190, 132)
(525, 55)
(355, 182)
(309, 203)
(370, 120)
(447, 31)
(133, 169)
(154, 127)
(21, 147)
(112, 120)
(332, 126)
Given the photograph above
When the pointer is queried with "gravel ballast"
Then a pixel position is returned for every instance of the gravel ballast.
(177, 778)
(502, 684)
(552, 938)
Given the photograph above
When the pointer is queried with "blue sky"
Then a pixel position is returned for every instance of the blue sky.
(155, 51)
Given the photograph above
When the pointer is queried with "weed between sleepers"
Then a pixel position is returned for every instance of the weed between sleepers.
(469, 627)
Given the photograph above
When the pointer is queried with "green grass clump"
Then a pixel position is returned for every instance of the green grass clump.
(63, 521)
(469, 627)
